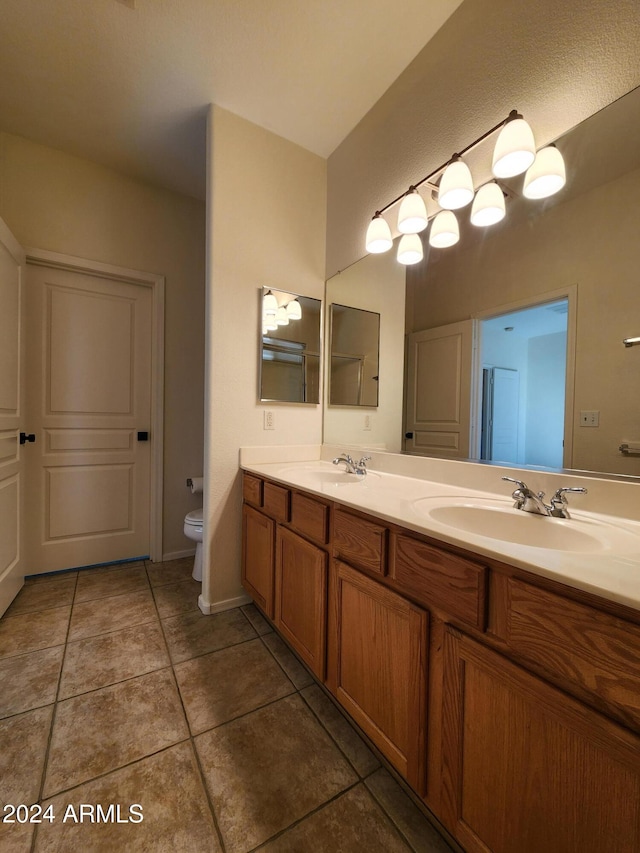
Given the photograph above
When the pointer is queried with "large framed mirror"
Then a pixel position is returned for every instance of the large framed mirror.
(289, 347)
(583, 241)
(354, 356)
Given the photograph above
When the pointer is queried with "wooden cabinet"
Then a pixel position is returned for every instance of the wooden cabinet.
(301, 598)
(528, 769)
(377, 666)
(258, 552)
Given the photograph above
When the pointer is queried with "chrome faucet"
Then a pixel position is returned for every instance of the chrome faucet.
(529, 501)
(351, 467)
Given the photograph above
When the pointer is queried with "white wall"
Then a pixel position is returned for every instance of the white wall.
(52, 200)
(376, 283)
(266, 218)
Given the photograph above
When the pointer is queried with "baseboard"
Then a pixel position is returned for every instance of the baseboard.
(178, 555)
(220, 606)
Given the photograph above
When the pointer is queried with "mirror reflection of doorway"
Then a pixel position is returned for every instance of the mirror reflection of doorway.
(524, 366)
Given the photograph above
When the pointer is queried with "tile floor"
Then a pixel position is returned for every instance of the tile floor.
(115, 690)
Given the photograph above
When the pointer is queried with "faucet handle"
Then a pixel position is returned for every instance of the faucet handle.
(518, 483)
(364, 459)
(559, 502)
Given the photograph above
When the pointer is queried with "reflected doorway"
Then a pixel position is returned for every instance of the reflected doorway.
(523, 385)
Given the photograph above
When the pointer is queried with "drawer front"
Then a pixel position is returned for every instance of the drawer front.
(252, 489)
(310, 518)
(276, 501)
(578, 645)
(437, 578)
(359, 541)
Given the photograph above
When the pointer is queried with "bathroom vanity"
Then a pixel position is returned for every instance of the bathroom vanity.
(509, 701)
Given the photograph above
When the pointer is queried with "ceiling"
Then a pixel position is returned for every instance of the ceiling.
(127, 83)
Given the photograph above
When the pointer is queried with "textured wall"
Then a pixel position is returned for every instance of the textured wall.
(556, 62)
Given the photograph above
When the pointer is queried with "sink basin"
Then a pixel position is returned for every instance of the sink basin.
(499, 520)
(325, 475)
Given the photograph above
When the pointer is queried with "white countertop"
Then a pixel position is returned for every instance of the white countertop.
(612, 572)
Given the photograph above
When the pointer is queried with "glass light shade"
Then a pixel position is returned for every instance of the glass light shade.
(410, 249)
(281, 316)
(444, 230)
(269, 305)
(456, 186)
(547, 175)
(271, 324)
(412, 215)
(378, 236)
(294, 310)
(515, 149)
(488, 205)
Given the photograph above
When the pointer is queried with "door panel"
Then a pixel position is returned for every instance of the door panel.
(11, 417)
(439, 390)
(90, 392)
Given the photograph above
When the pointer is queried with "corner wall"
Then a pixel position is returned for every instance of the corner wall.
(266, 216)
(55, 201)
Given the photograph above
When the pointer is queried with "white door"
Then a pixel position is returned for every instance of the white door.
(505, 415)
(439, 370)
(89, 398)
(12, 383)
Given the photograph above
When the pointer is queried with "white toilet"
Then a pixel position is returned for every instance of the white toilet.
(193, 531)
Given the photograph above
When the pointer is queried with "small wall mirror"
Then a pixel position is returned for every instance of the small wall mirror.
(355, 357)
(289, 346)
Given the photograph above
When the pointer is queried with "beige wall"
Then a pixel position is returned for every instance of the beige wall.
(590, 241)
(375, 283)
(51, 200)
(266, 226)
(556, 62)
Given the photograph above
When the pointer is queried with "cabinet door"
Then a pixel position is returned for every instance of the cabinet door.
(258, 549)
(528, 769)
(301, 598)
(378, 651)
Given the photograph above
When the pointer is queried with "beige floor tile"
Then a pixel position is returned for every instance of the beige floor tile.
(223, 685)
(288, 661)
(173, 571)
(29, 681)
(16, 838)
(257, 619)
(353, 823)
(176, 814)
(101, 731)
(23, 745)
(412, 824)
(108, 658)
(96, 583)
(192, 634)
(32, 631)
(268, 769)
(176, 598)
(341, 731)
(90, 618)
(43, 596)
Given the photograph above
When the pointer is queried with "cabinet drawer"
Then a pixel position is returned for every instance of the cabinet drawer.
(359, 541)
(579, 646)
(275, 501)
(310, 517)
(437, 578)
(252, 489)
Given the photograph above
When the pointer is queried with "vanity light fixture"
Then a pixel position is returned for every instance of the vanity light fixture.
(410, 249)
(452, 185)
(281, 316)
(412, 216)
(488, 205)
(456, 185)
(294, 310)
(546, 175)
(631, 342)
(269, 305)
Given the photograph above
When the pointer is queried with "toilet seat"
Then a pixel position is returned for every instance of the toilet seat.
(194, 518)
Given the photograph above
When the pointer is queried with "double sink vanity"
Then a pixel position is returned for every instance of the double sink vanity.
(492, 655)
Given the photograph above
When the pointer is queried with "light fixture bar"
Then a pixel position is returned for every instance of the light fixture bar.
(513, 114)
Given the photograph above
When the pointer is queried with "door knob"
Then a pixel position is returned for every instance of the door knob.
(143, 436)
(24, 438)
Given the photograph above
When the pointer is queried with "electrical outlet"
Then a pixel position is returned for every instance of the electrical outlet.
(367, 422)
(589, 419)
(269, 420)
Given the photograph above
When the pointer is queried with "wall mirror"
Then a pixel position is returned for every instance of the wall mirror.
(289, 347)
(585, 239)
(354, 356)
